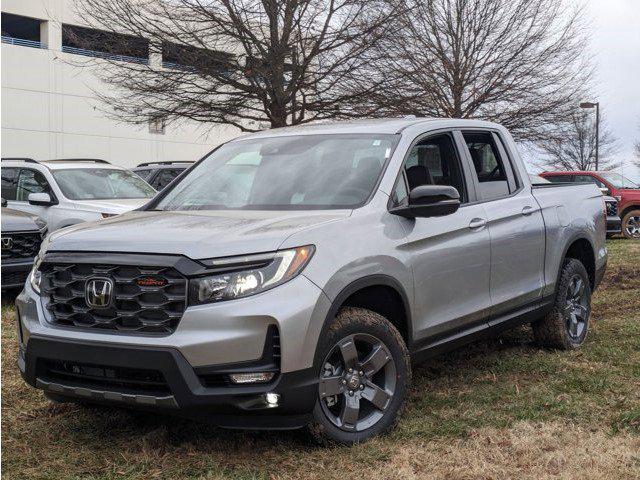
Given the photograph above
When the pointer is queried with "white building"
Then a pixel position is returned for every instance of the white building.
(49, 110)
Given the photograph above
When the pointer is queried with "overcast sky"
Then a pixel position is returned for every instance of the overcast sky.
(616, 44)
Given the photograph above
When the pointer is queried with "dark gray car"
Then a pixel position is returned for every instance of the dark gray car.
(22, 234)
(160, 174)
(289, 277)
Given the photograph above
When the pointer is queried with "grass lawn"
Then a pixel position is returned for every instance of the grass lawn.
(499, 409)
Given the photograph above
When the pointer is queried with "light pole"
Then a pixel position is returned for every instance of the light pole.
(597, 107)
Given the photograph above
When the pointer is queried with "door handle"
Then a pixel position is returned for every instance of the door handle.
(477, 223)
(528, 210)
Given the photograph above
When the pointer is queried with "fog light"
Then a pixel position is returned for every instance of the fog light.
(272, 399)
(258, 377)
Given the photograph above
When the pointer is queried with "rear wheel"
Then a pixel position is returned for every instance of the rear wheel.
(363, 378)
(631, 224)
(566, 326)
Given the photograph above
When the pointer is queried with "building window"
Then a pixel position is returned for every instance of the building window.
(188, 58)
(101, 44)
(19, 30)
(157, 125)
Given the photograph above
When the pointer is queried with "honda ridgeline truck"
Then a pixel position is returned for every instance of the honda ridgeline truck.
(290, 277)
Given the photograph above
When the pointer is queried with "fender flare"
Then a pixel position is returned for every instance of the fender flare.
(567, 245)
(357, 285)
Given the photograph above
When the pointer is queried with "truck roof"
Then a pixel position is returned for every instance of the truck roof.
(370, 125)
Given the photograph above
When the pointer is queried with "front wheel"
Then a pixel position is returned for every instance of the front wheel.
(362, 380)
(631, 224)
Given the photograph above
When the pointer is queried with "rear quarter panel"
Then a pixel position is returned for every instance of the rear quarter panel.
(570, 213)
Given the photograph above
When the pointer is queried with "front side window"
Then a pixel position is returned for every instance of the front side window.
(433, 161)
(589, 179)
(9, 182)
(31, 181)
(488, 165)
(164, 177)
(145, 174)
(293, 172)
(101, 184)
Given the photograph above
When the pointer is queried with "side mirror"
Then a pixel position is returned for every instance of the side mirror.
(4, 202)
(605, 191)
(430, 201)
(43, 199)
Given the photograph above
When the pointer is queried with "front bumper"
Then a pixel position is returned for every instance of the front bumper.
(15, 272)
(614, 225)
(94, 372)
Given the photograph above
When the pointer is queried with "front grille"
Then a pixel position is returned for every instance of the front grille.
(612, 209)
(145, 299)
(20, 245)
(124, 380)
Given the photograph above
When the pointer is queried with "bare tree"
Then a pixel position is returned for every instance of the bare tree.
(519, 62)
(573, 145)
(251, 64)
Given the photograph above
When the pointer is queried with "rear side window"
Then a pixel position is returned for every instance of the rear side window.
(9, 183)
(488, 165)
(31, 181)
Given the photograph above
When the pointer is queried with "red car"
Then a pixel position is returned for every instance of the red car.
(623, 189)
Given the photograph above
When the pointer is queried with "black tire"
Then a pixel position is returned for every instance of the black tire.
(360, 327)
(562, 328)
(631, 224)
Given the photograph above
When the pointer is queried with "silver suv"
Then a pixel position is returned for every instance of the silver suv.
(289, 277)
(70, 191)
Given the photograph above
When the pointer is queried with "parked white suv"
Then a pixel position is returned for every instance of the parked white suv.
(66, 192)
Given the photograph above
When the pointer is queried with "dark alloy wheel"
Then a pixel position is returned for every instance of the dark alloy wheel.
(357, 383)
(577, 307)
(567, 324)
(364, 373)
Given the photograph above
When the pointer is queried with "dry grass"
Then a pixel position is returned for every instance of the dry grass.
(499, 409)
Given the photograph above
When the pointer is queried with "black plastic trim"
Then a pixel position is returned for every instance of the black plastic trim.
(237, 407)
(489, 326)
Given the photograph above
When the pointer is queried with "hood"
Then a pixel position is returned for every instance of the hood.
(195, 234)
(115, 206)
(16, 221)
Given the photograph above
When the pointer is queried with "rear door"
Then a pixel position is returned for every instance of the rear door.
(449, 255)
(515, 223)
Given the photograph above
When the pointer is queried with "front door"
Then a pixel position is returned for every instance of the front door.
(449, 255)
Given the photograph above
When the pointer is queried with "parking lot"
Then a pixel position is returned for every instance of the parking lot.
(499, 409)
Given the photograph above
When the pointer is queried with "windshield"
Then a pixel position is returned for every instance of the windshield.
(280, 173)
(619, 181)
(101, 184)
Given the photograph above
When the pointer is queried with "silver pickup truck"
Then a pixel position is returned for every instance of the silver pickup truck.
(289, 278)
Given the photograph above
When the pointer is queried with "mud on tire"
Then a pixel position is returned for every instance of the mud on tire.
(378, 346)
(566, 326)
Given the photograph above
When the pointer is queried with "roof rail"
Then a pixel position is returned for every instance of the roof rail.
(169, 162)
(94, 160)
(19, 159)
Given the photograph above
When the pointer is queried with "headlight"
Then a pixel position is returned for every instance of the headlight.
(35, 277)
(284, 266)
